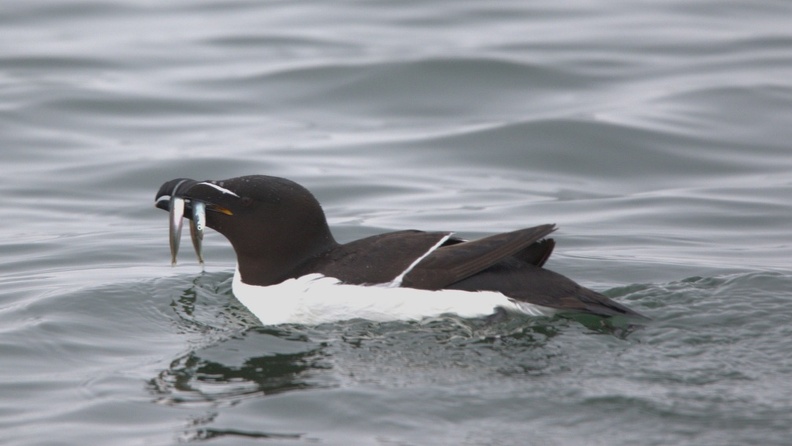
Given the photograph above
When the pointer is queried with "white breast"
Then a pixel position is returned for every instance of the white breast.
(316, 299)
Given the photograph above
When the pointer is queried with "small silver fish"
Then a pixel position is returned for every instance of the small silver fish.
(197, 225)
(176, 215)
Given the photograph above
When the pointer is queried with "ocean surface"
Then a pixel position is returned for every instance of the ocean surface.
(656, 134)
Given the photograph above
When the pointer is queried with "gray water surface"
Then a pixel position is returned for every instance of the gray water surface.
(655, 134)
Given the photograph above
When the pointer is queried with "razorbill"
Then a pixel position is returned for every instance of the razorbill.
(290, 269)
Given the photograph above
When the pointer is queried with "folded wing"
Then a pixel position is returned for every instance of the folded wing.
(459, 260)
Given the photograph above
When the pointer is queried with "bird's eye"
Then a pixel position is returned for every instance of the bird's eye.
(246, 201)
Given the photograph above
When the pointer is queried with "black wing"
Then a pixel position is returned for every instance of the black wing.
(459, 260)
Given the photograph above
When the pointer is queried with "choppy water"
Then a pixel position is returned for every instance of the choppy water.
(656, 134)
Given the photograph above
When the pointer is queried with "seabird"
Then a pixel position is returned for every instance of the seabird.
(290, 269)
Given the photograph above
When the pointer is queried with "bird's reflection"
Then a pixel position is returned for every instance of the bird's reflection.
(223, 373)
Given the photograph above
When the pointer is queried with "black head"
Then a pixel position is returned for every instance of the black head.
(274, 224)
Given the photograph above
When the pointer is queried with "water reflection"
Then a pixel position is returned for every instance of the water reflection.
(233, 358)
(257, 362)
